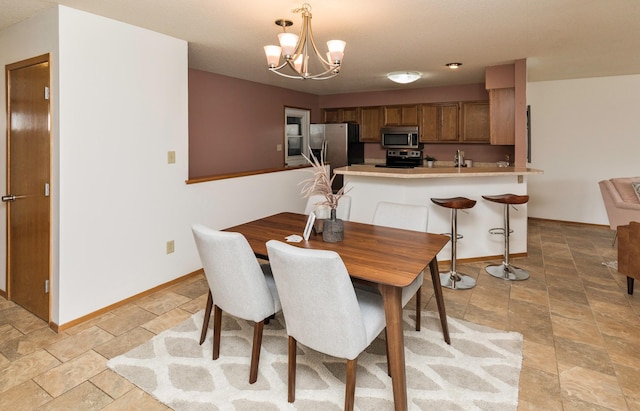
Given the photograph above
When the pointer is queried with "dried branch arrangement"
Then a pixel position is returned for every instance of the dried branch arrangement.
(321, 183)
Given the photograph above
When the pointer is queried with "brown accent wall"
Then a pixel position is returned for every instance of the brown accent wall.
(235, 125)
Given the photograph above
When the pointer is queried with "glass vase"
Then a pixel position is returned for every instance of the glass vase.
(333, 229)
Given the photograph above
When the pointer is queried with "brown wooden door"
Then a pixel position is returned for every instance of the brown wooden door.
(28, 175)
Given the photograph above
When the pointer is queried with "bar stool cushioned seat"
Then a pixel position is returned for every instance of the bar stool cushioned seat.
(453, 279)
(506, 271)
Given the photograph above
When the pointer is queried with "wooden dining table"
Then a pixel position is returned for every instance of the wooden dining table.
(388, 258)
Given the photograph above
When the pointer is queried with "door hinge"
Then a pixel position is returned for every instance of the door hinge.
(46, 286)
(46, 189)
(46, 92)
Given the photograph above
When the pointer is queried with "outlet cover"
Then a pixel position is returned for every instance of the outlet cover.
(170, 246)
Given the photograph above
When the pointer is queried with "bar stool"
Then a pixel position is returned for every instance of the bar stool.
(453, 279)
(506, 271)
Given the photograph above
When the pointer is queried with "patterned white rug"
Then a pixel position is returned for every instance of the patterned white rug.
(480, 370)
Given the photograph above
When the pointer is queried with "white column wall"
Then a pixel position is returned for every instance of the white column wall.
(473, 223)
(123, 106)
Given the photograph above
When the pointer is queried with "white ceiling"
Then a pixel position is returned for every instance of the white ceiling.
(560, 39)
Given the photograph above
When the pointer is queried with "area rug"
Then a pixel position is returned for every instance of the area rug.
(480, 370)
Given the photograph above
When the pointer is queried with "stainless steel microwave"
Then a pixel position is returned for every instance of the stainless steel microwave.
(400, 137)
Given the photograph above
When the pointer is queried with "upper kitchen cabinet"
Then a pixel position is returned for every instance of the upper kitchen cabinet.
(502, 116)
(406, 115)
(449, 129)
(341, 115)
(474, 122)
(439, 123)
(370, 124)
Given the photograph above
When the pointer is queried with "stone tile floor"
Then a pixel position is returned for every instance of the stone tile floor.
(581, 332)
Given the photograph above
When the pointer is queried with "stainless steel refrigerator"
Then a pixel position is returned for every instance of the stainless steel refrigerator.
(339, 143)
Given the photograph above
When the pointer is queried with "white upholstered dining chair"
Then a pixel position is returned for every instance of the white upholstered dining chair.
(314, 203)
(406, 217)
(322, 310)
(238, 285)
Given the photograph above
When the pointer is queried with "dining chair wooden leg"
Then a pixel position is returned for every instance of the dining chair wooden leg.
(386, 348)
(350, 389)
(291, 382)
(217, 324)
(418, 308)
(255, 351)
(207, 315)
(437, 289)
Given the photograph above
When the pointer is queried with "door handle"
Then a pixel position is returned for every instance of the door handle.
(10, 197)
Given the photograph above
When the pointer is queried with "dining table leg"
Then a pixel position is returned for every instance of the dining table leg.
(437, 289)
(392, 297)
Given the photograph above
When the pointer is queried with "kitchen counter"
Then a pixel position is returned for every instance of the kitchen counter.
(368, 185)
(436, 172)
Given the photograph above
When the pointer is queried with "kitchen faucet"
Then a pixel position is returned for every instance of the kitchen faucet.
(458, 160)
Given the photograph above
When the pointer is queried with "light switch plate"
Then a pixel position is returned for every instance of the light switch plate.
(171, 157)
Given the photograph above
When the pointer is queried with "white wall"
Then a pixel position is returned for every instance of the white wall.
(122, 105)
(33, 37)
(583, 131)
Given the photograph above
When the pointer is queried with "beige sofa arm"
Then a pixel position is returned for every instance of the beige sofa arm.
(619, 210)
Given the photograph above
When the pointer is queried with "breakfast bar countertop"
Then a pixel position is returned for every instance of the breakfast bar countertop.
(435, 172)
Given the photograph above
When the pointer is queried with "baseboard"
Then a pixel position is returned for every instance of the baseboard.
(57, 328)
(569, 222)
(3, 294)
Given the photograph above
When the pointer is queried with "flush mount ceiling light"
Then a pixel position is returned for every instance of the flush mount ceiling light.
(404, 77)
(295, 50)
(453, 66)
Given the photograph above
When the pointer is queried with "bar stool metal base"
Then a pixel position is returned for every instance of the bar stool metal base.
(456, 281)
(507, 272)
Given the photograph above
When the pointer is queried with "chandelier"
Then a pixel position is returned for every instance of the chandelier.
(296, 52)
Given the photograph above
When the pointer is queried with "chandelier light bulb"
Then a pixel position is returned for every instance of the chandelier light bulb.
(288, 42)
(273, 55)
(336, 50)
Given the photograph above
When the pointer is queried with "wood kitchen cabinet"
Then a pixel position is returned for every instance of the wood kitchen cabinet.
(439, 123)
(502, 118)
(406, 115)
(474, 122)
(370, 124)
(341, 115)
